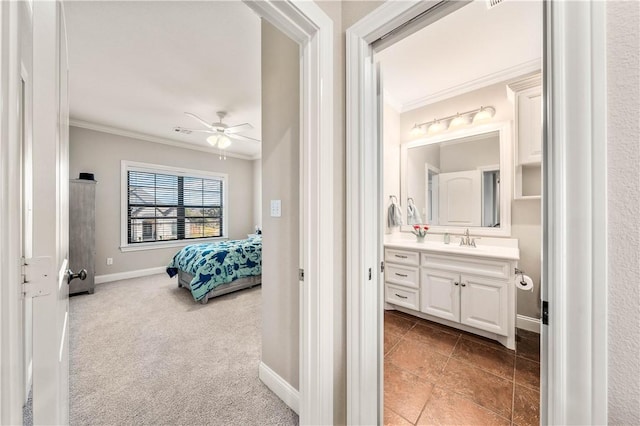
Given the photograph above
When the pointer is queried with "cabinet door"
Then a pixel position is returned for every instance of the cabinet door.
(440, 294)
(483, 303)
(530, 126)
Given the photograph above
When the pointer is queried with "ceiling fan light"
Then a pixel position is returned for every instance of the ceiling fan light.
(213, 140)
(224, 142)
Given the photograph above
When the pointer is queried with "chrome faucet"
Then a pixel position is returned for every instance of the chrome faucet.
(466, 240)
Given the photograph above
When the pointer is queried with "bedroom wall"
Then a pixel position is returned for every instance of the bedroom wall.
(525, 214)
(257, 192)
(100, 153)
(280, 169)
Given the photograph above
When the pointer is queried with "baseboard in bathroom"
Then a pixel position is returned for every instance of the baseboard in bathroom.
(528, 323)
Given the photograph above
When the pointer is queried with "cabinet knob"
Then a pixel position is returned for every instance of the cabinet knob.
(456, 283)
(463, 284)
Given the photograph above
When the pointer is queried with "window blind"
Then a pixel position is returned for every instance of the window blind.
(164, 207)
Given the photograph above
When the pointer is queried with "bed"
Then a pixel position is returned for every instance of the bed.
(213, 269)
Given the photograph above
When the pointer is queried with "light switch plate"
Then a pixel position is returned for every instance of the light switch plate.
(276, 208)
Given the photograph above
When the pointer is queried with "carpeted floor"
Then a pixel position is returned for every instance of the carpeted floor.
(143, 352)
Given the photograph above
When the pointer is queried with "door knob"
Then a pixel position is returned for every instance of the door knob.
(82, 274)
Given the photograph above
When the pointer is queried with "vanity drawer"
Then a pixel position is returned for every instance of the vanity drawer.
(402, 256)
(403, 275)
(402, 296)
(468, 265)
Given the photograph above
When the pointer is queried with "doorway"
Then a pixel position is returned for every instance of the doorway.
(381, 28)
(308, 26)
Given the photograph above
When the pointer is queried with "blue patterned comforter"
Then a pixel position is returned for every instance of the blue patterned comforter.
(214, 264)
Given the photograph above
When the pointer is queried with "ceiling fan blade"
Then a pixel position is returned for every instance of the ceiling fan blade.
(199, 119)
(197, 130)
(243, 138)
(238, 128)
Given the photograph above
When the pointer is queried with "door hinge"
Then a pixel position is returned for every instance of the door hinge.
(36, 273)
(300, 274)
(545, 312)
(381, 266)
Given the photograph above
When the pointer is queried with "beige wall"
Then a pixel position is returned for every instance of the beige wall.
(391, 159)
(280, 170)
(100, 153)
(623, 186)
(525, 214)
(257, 192)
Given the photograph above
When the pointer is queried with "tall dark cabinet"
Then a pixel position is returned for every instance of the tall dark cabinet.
(82, 233)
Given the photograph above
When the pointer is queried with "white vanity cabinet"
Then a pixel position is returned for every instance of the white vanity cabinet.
(468, 290)
(402, 278)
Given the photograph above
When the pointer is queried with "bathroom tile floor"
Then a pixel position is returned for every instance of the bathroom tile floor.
(435, 374)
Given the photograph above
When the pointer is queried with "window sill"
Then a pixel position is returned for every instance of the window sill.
(167, 244)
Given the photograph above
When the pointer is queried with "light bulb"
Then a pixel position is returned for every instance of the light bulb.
(417, 130)
(223, 142)
(437, 126)
(485, 113)
(213, 140)
(460, 120)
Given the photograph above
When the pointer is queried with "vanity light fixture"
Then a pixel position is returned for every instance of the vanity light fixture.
(457, 120)
(417, 130)
(485, 113)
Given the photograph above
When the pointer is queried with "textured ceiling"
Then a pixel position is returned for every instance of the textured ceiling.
(138, 66)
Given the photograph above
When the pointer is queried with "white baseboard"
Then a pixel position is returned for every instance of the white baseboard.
(280, 387)
(107, 278)
(528, 323)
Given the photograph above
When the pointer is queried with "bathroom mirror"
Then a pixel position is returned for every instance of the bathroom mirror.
(459, 180)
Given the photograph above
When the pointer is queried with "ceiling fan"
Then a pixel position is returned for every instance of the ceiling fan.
(221, 133)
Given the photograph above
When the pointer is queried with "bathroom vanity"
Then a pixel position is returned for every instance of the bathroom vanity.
(469, 288)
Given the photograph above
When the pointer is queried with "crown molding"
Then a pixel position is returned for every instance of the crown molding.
(487, 80)
(148, 138)
(392, 102)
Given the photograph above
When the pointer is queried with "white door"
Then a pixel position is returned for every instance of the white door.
(440, 294)
(460, 198)
(50, 159)
(483, 303)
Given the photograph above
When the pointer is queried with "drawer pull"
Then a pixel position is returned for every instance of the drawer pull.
(400, 256)
(401, 296)
(402, 275)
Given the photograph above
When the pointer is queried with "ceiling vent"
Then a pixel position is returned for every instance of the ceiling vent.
(493, 3)
(181, 130)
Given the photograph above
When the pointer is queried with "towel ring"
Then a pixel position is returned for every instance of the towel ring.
(393, 198)
(410, 199)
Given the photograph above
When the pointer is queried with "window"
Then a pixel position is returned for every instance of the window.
(166, 205)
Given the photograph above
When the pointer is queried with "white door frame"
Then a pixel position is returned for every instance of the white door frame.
(11, 334)
(574, 204)
(305, 23)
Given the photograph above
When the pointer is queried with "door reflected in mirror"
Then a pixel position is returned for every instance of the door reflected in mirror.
(456, 181)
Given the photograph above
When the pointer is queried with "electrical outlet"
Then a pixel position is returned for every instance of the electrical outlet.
(109, 261)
